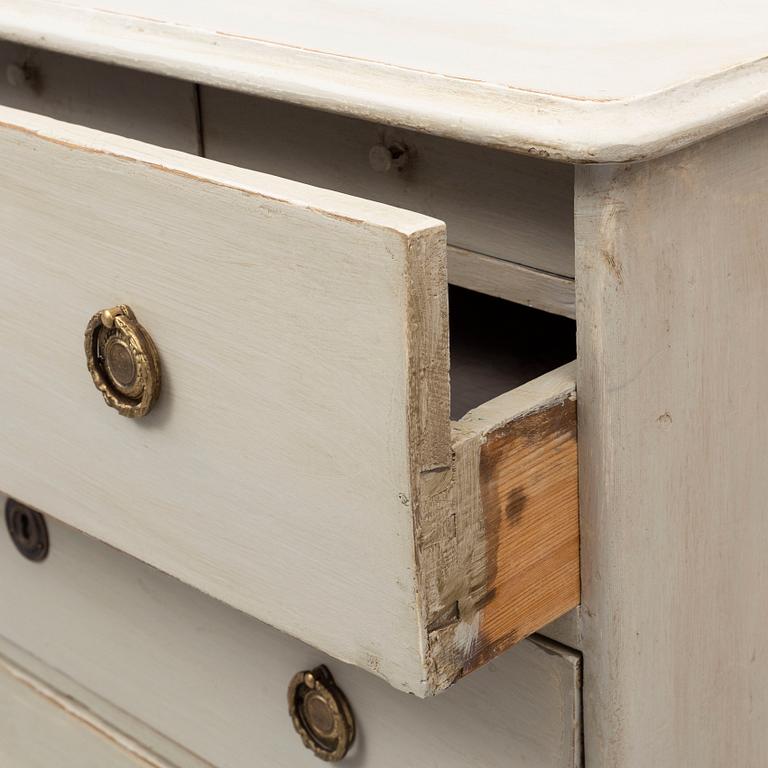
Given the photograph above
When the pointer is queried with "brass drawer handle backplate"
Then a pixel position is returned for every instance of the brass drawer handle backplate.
(123, 361)
(321, 714)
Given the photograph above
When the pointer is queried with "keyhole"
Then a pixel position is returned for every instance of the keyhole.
(25, 527)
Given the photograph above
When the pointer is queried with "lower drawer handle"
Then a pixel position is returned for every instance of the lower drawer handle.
(321, 714)
(123, 361)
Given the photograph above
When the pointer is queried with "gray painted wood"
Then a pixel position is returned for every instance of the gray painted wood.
(304, 340)
(579, 82)
(510, 281)
(138, 105)
(291, 409)
(41, 727)
(672, 312)
(214, 680)
(518, 209)
(514, 208)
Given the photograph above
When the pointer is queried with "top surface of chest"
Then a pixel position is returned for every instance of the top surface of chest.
(593, 51)
(578, 83)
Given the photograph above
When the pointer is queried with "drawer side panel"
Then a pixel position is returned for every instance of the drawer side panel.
(515, 566)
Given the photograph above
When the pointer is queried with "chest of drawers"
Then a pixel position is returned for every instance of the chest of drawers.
(337, 270)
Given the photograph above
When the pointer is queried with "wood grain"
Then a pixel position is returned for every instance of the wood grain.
(672, 309)
(600, 85)
(529, 481)
(514, 566)
(214, 680)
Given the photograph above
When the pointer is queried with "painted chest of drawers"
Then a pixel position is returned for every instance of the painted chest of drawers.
(419, 344)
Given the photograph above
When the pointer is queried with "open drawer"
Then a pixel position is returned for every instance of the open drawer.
(300, 463)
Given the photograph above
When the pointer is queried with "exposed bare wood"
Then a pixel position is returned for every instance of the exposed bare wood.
(514, 565)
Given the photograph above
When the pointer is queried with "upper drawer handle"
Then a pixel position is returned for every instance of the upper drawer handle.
(123, 361)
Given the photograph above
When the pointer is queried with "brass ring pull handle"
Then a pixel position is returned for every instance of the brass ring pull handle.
(321, 714)
(123, 361)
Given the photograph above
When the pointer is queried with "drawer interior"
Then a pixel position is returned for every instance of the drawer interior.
(497, 345)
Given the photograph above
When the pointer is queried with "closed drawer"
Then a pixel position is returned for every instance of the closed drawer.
(501, 204)
(301, 463)
(41, 728)
(136, 104)
(136, 645)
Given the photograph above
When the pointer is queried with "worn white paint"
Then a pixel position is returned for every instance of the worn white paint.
(581, 82)
(514, 405)
(137, 105)
(566, 629)
(276, 471)
(214, 680)
(41, 728)
(513, 282)
(514, 208)
(672, 310)
(502, 211)
(303, 434)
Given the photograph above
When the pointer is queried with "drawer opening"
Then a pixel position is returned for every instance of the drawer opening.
(496, 346)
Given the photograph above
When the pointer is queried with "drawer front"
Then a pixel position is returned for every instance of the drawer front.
(300, 461)
(214, 680)
(41, 728)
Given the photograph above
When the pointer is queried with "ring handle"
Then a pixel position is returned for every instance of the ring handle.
(123, 361)
(321, 714)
